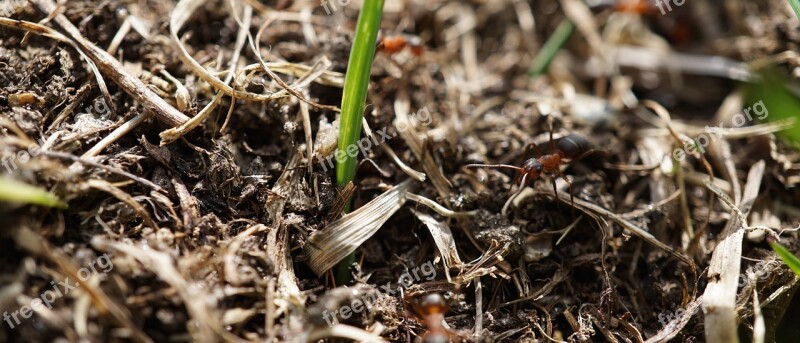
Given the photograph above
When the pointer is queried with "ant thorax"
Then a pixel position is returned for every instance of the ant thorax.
(550, 163)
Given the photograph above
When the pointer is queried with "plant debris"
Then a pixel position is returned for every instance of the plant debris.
(168, 171)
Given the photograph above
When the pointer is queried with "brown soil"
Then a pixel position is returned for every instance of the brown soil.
(209, 236)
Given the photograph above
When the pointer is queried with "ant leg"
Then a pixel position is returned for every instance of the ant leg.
(535, 148)
(555, 191)
(571, 195)
(581, 156)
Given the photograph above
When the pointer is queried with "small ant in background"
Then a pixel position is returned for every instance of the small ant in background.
(633, 6)
(26, 99)
(393, 44)
(566, 151)
(431, 309)
(641, 7)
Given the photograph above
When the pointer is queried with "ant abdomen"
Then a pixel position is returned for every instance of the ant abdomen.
(572, 145)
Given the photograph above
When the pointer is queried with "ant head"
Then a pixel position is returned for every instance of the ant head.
(433, 301)
(532, 167)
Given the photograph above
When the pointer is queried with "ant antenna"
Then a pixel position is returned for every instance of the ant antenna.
(498, 166)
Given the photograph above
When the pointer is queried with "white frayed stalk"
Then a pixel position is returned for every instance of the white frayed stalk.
(342, 237)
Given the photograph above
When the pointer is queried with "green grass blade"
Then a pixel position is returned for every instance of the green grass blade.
(772, 99)
(550, 48)
(796, 7)
(790, 259)
(356, 82)
(19, 192)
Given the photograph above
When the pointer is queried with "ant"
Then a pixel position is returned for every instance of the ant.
(571, 148)
(393, 44)
(431, 309)
(634, 6)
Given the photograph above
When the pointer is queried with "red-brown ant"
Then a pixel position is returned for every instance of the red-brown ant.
(571, 147)
(431, 309)
(391, 45)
